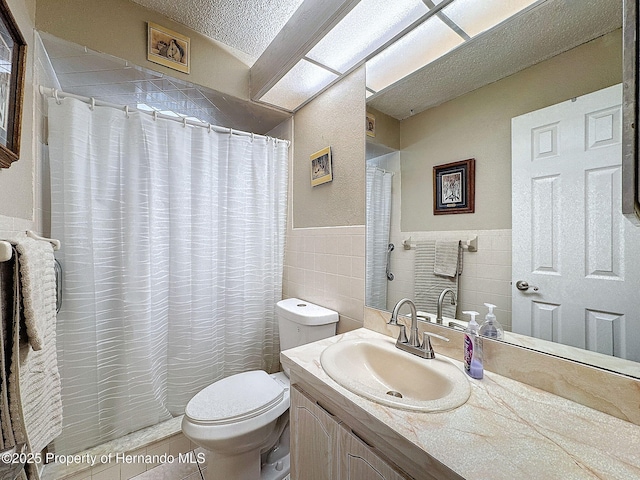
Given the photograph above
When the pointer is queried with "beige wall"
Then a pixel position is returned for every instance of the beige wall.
(387, 130)
(478, 125)
(119, 28)
(335, 119)
(324, 252)
(16, 182)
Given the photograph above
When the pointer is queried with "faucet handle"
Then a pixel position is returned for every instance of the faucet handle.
(426, 335)
(402, 335)
(426, 343)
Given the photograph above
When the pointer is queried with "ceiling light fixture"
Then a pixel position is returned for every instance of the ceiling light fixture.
(394, 39)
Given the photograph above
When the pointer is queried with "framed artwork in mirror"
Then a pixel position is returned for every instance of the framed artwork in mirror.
(13, 54)
(321, 171)
(370, 124)
(454, 187)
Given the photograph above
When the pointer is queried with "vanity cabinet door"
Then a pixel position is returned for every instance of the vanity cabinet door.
(359, 462)
(314, 440)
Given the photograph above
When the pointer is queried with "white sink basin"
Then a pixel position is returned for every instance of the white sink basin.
(378, 371)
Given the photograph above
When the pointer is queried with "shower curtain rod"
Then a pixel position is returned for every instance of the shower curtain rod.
(58, 94)
(384, 171)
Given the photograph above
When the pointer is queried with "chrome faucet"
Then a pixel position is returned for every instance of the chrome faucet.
(441, 300)
(414, 340)
(413, 344)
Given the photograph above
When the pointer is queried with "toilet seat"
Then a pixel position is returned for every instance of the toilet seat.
(235, 399)
(235, 406)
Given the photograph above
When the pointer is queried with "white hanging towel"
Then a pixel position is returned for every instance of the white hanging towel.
(446, 260)
(36, 386)
(427, 285)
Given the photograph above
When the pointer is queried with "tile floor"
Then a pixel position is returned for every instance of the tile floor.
(184, 463)
(160, 452)
(193, 469)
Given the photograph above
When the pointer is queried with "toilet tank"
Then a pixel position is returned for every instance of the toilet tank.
(303, 322)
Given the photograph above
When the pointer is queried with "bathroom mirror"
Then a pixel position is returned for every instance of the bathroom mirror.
(518, 67)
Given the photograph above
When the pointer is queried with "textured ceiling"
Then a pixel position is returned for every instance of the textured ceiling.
(246, 25)
(249, 26)
(551, 28)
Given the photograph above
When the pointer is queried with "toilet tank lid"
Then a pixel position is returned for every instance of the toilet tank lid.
(305, 313)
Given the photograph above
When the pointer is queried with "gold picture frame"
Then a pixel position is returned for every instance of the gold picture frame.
(13, 54)
(321, 168)
(168, 48)
(370, 124)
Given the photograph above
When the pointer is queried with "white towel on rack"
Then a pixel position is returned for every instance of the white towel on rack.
(446, 259)
(38, 285)
(36, 387)
(428, 286)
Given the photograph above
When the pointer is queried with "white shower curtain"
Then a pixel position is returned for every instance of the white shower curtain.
(173, 247)
(377, 235)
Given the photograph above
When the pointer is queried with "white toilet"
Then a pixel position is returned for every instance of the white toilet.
(243, 420)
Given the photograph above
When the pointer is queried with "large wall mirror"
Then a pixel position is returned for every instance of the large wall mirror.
(547, 80)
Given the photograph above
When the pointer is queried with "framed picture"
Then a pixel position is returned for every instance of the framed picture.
(321, 171)
(370, 124)
(168, 48)
(454, 187)
(13, 53)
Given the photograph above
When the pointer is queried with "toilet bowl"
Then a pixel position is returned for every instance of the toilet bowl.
(242, 421)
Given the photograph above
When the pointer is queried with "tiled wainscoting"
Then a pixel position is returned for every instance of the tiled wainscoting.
(326, 266)
(485, 278)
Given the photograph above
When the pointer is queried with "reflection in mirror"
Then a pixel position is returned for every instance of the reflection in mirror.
(462, 107)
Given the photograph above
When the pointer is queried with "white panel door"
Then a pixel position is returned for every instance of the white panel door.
(570, 239)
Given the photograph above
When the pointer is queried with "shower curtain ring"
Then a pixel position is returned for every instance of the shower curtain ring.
(55, 95)
(126, 111)
(93, 103)
(209, 128)
(155, 115)
(184, 122)
(252, 137)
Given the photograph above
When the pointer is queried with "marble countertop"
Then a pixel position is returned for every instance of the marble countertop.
(506, 429)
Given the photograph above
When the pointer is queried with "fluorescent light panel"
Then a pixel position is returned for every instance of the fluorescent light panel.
(299, 84)
(426, 43)
(475, 16)
(373, 23)
(367, 27)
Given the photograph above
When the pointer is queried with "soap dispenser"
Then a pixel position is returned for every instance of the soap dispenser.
(491, 328)
(473, 348)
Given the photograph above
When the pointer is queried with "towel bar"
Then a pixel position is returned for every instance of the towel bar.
(470, 244)
(53, 241)
(6, 251)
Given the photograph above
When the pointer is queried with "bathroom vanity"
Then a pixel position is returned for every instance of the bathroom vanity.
(324, 447)
(505, 430)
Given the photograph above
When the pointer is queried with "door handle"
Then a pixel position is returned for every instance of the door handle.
(524, 286)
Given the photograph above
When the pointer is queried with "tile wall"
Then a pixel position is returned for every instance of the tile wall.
(11, 227)
(325, 266)
(486, 274)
